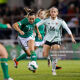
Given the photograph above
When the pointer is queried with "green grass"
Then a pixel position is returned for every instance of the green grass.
(70, 71)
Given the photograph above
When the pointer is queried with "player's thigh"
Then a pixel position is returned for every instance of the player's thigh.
(46, 49)
(23, 42)
(55, 47)
(3, 52)
(31, 44)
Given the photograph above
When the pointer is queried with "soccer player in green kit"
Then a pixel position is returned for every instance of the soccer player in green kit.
(53, 34)
(40, 16)
(38, 41)
(25, 27)
(4, 56)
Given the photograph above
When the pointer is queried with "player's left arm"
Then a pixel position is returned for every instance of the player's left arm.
(64, 25)
(39, 35)
(5, 25)
(39, 24)
(9, 26)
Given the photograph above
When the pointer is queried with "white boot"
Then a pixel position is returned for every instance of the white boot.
(10, 79)
(53, 72)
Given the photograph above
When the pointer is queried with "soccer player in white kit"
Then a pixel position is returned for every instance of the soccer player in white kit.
(54, 27)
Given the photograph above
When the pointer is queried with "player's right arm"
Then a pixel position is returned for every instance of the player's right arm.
(37, 25)
(17, 28)
(41, 23)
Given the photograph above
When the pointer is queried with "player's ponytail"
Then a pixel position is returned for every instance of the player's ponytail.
(28, 11)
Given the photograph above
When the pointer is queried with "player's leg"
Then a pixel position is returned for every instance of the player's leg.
(49, 60)
(54, 58)
(31, 44)
(46, 49)
(23, 43)
(3, 61)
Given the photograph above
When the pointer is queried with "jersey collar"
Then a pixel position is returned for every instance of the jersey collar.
(52, 19)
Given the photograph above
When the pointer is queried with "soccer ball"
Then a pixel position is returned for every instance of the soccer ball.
(32, 65)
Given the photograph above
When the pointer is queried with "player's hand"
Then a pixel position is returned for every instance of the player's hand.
(21, 32)
(73, 40)
(9, 26)
(39, 36)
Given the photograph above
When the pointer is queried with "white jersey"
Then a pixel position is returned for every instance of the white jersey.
(54, 29)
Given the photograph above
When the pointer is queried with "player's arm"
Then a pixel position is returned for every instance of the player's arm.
(17, 28)
(37, 25)
(8, 26)
(5, 26)
(39, 35)
(64, 25)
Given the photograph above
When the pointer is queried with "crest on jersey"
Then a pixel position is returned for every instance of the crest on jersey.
(56, 23)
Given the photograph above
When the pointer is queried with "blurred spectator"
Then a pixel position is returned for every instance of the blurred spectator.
(62, 7)
(77, 10)
(74, 22)
(71, 9)
(7, 11)
(75, 2)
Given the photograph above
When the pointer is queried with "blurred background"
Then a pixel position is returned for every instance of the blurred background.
(12, 11)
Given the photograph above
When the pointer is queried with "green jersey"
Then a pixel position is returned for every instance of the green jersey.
(26, 27)
(54, 29)
(41, 30)
(3, 25)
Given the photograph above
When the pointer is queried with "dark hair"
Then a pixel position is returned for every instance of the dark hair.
(31, 13)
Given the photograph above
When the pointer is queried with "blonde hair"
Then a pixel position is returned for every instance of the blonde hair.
(54, 8)
(39, 12)
(47, 14)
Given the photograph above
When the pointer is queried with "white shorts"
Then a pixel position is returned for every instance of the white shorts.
(24, 41)
(39, 43)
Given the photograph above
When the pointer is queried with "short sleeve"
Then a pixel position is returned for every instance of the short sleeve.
(3, 25)
(23, 22)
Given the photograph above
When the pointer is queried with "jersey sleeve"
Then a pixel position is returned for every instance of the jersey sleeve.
(40, 23)
(3, 25)
(23, 22)
(64, 25)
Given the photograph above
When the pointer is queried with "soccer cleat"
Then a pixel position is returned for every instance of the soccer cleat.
(15, 63)
(57, 67)
(34, 71)
(49, 62)
(53, 72)
(8, 79)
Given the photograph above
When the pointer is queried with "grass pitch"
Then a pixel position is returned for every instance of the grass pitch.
(70, 71)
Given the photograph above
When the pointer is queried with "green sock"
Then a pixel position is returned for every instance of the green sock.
(4, 66)
(23, 56)
(33, 56)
